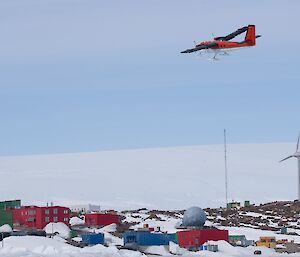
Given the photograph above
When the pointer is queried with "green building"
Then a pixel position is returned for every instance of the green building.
(6, 217)
(283, 230)
(233, 204)
(235, 238)
(247, 203)
(240, 240)
(10, 204)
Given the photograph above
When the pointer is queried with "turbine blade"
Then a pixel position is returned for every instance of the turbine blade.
(298, 143)
(286, 158)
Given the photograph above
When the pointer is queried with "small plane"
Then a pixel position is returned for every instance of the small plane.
(220, 45)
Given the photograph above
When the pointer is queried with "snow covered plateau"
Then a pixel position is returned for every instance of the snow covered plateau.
(165, 178)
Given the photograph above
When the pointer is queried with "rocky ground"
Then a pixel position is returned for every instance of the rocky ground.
(270, 216)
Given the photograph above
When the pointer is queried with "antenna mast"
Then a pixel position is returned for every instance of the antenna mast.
(225, 158)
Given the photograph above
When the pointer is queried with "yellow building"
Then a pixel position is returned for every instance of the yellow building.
(267, 241)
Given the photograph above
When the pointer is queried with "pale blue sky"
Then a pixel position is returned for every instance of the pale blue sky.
(81, 76)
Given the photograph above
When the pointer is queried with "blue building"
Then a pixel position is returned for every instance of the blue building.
(93, 238)
(146, 238)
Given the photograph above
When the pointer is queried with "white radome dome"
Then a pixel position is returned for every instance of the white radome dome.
(194, 217)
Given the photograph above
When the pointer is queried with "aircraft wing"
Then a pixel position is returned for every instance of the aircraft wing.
(233, 34)
(199, 47)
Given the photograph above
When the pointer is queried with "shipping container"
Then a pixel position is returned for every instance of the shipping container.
(191, 239)
(203, 247)
(268, 241)
(10, 204)
(93, 238)
(101, 219)
(213, 248)
(6, 217)
(73, 233)
(146, 238)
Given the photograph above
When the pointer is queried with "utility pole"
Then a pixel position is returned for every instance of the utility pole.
(52, 230)
(225, 159)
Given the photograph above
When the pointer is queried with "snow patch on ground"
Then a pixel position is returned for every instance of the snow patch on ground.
(169, 227)
(157, 250)
(31, 246)
(5, 228)
(76, 221)
(110, 228)
(58, 228)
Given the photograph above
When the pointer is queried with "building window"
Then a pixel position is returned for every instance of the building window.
(47, 211)
(55, 211)
(47, 219)
(66, 219)
(66, 211)
(30, 220)
(31, 212)
(55, 219)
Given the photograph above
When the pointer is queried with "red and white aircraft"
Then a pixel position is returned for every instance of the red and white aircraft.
(222, 44)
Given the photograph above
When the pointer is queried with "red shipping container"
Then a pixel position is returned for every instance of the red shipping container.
(196, 238)
(101, 219)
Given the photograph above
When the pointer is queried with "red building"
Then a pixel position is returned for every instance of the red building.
(101, 219)
(39, 217)
(196, 238)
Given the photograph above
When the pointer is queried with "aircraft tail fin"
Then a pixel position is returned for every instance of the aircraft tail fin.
(250, 36)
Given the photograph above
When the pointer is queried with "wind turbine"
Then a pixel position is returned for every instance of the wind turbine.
(296, 155)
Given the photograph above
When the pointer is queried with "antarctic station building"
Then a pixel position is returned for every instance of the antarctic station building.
(195, 233)
(38, 217)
